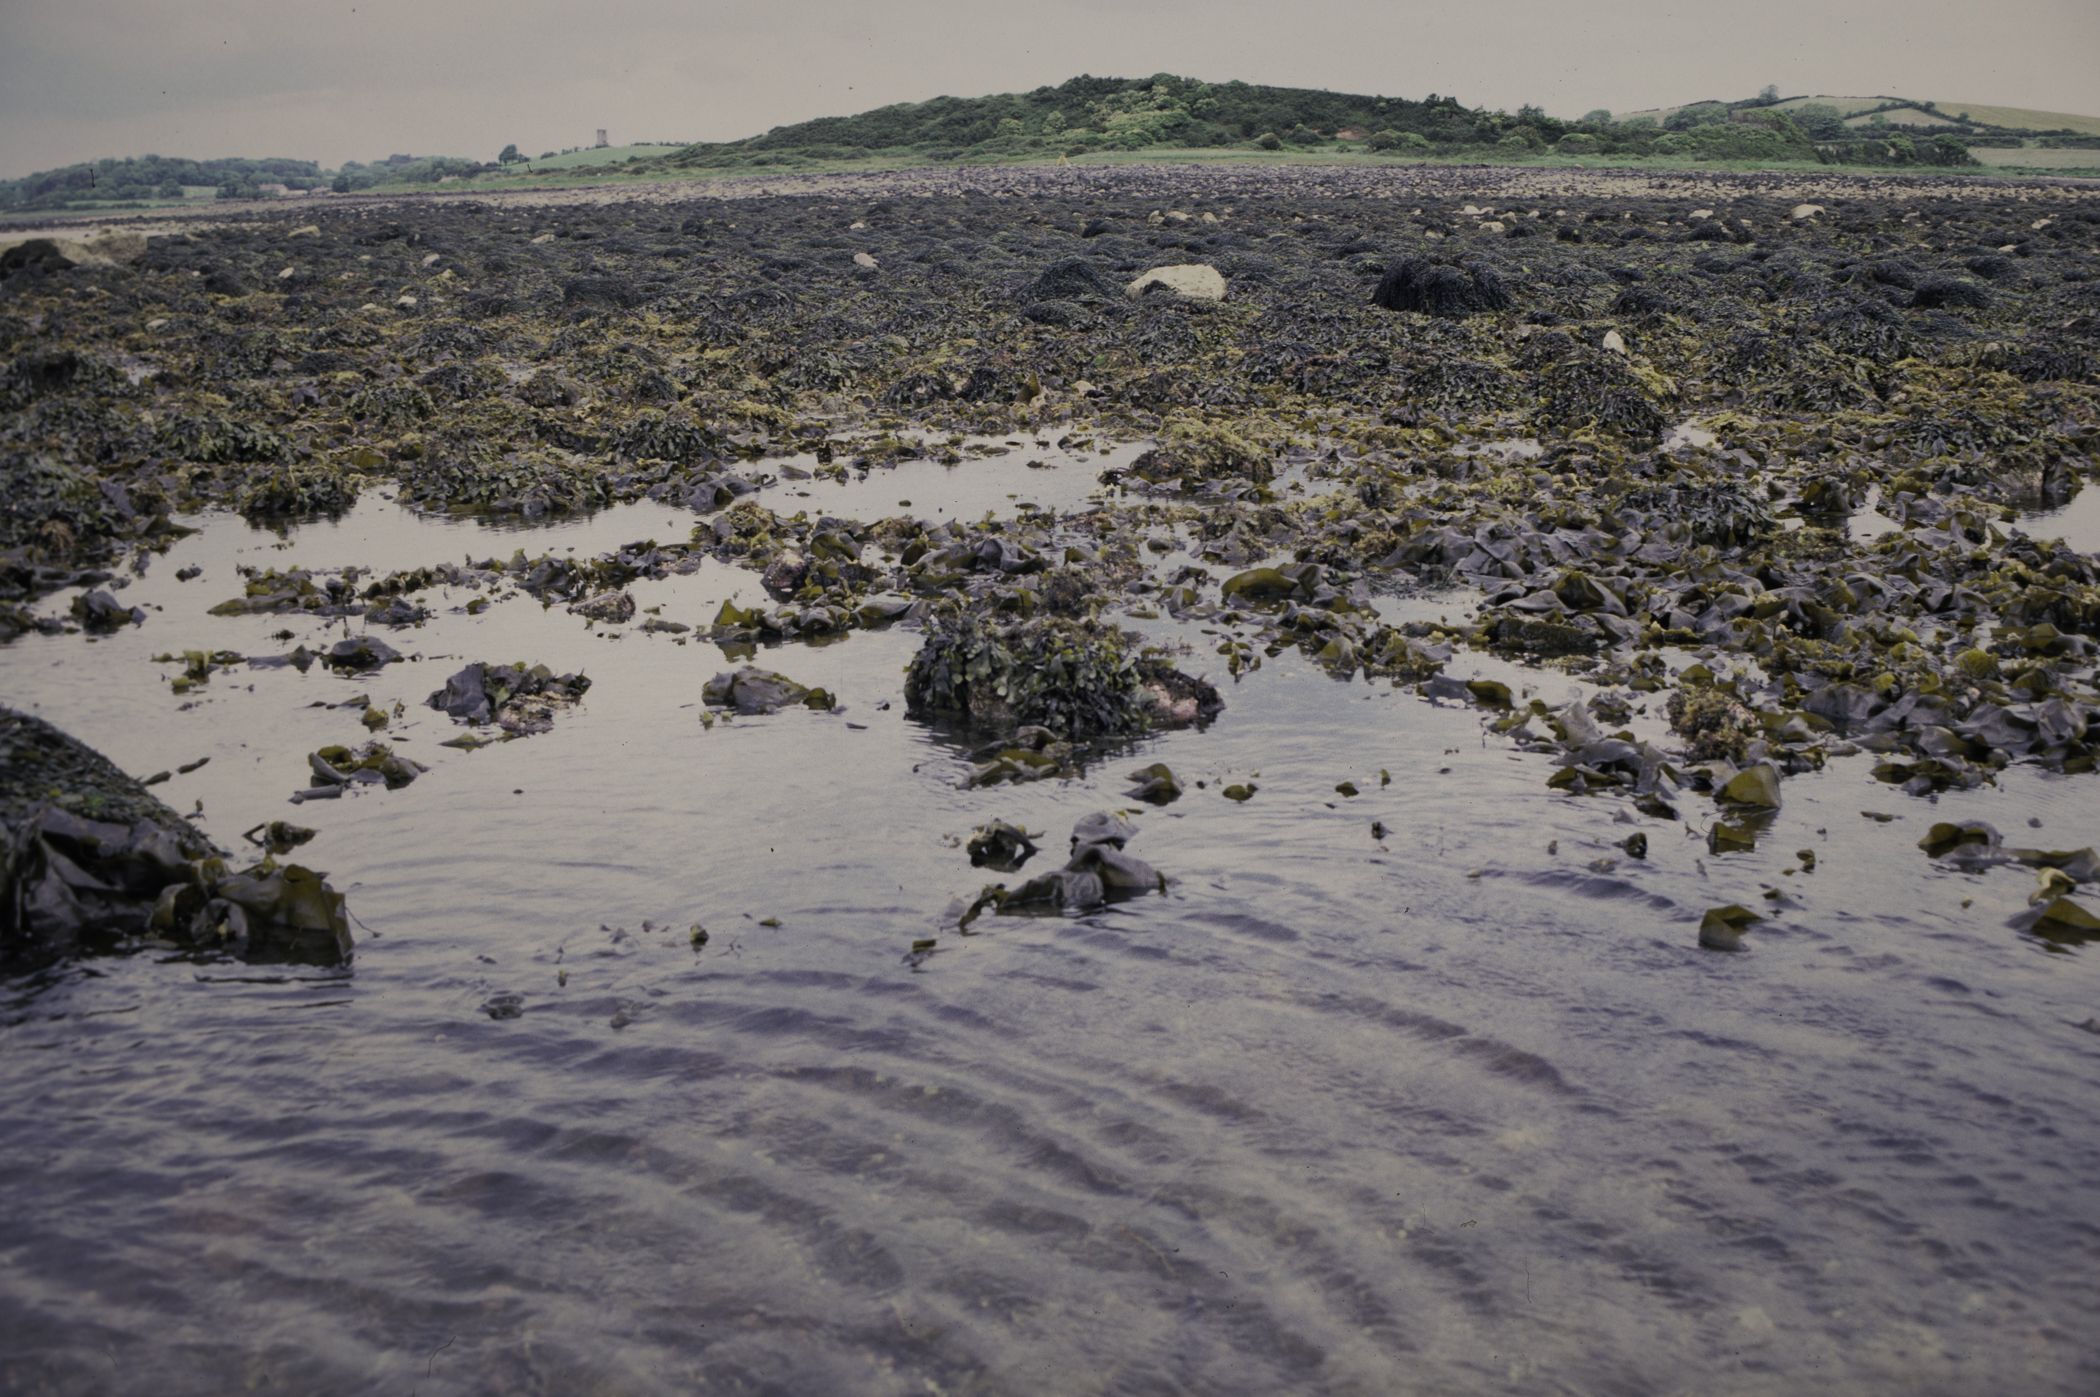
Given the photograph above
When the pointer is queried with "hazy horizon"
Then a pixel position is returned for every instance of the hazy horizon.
(358, 81)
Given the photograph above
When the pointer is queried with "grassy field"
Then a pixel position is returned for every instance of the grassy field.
(2023, 117)
(1846, 106)
(2034, 158)
(1903, 116)
(2016, 118)
(609, 155)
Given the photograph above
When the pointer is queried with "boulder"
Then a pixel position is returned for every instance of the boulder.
(58, 254)
(104, 863)
(1196, 281)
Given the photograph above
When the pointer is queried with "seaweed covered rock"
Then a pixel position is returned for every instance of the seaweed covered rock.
(90, 862)
(1593, 390)
(1194, 451)
(520, 698)
(1078, 679)
(1440, 288)
(1068, 279)
(294, 492)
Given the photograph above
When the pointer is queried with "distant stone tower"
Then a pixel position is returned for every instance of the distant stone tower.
(602, 142)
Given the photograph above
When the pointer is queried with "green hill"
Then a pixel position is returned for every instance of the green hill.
(1106, 114)
(1090, 115)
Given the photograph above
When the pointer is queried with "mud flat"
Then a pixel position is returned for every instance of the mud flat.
(1509, 773)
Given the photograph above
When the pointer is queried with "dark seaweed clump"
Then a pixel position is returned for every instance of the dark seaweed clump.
(1437, 288)
(1077, 679)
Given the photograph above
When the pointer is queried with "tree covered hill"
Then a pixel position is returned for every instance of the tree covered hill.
(1090, 114)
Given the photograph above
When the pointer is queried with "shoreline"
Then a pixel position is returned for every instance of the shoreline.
(1576, 180)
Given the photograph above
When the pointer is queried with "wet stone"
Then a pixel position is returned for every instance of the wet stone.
(754, 691)
(359, 653)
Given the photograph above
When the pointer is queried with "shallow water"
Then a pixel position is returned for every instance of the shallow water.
(2076, 522)
(1461, 1108)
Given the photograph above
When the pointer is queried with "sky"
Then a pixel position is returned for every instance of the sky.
(336, 80)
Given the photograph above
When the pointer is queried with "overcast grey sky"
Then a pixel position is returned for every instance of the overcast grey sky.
(335, 80)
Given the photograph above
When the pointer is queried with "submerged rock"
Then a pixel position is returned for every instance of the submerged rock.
(1000, 845)
(750, 690)
(1156, 784)
(1099, 871)
(373, 764)
(360, 653)
(1722, 928)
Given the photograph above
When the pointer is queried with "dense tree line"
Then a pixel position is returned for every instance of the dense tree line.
(149, 177)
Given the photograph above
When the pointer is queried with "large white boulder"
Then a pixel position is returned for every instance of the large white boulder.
(1203, 283)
